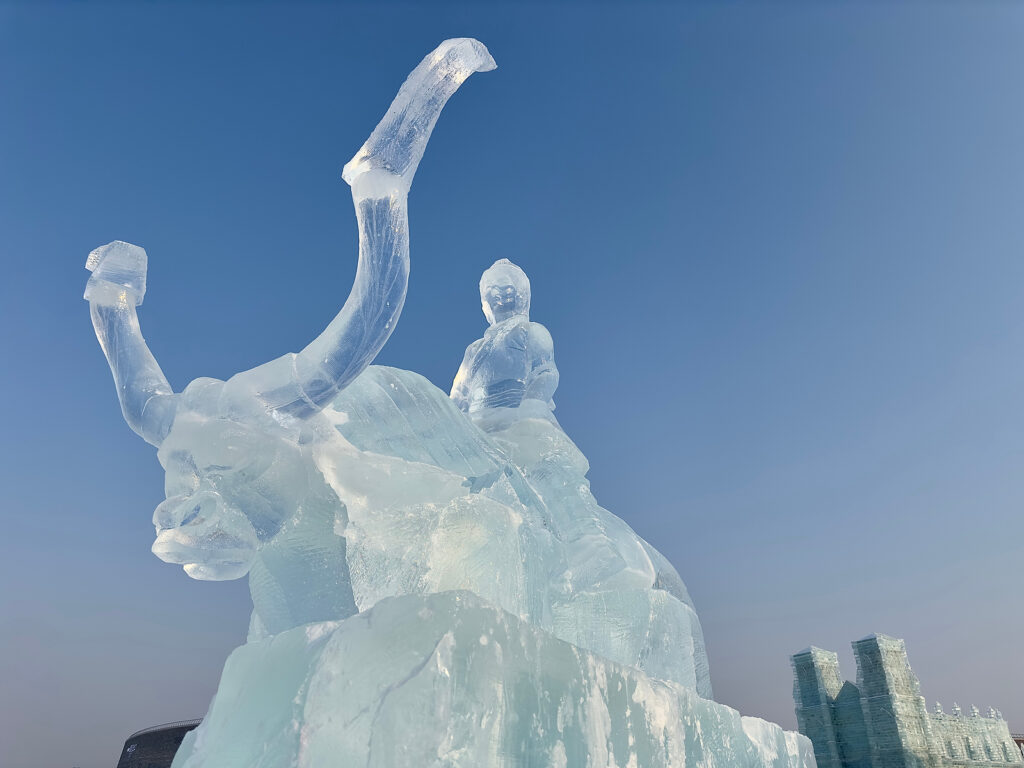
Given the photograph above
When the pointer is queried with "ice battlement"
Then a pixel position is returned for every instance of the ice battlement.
(882, 720)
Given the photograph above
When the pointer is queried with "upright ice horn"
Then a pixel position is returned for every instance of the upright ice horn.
(397, 143)
(300, 385)
(380, 175)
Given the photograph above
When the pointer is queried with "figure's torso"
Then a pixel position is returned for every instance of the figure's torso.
(499, 366)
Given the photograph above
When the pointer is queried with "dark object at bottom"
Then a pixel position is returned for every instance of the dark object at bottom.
(155, 747)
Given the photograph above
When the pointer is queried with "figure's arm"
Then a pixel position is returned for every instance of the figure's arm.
(116, 287)
(380, 175)
(460, 387)
(543, 379)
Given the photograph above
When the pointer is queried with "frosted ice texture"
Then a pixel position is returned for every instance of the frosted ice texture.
(432, 581)
(299, 385)
(451, 680)
(513, 365)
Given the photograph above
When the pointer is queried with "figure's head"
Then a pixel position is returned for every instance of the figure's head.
(504, 292)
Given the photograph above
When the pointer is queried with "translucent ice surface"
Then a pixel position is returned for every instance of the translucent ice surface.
(433, 503)
(396, 145)
(513, 364)
(299, 385)
(450, 680)
(433, 583)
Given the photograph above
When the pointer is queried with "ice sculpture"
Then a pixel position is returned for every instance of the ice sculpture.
(512, 367)
(433, 583)
(614, 594)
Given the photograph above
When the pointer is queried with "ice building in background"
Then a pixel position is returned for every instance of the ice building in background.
(882, 721)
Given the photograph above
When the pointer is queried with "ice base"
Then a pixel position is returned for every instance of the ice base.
(445, 596)
(450, 680)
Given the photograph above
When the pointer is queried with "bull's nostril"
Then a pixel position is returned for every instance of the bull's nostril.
(166, 515)
(191, 515)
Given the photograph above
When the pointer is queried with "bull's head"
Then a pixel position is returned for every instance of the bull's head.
(231, 485)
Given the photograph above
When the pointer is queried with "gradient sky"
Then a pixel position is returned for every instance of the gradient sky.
(778, 247)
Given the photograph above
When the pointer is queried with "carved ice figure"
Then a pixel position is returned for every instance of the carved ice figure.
(617, 595)
(513, 365)
(505, 618)
(221, 502)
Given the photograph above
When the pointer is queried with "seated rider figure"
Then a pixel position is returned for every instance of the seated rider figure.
(610, 577)
(505, 385)
(510, 373)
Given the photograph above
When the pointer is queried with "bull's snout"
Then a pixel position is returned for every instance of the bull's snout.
(211, 538)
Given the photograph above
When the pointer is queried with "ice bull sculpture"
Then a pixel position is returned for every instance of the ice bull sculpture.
(433, 583)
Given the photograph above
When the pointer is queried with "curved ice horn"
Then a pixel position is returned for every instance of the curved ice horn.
(397, 143)
(380, 175)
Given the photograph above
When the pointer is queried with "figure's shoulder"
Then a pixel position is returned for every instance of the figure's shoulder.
(540, 336)
(472, 349)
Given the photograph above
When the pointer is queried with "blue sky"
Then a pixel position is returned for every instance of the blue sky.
(778, 247)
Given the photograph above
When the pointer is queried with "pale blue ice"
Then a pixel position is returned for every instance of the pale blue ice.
(433, 582)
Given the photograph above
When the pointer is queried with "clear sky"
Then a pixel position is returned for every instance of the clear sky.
(778, 247)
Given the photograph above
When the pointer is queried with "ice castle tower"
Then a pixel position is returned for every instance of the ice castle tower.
(882, 721)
